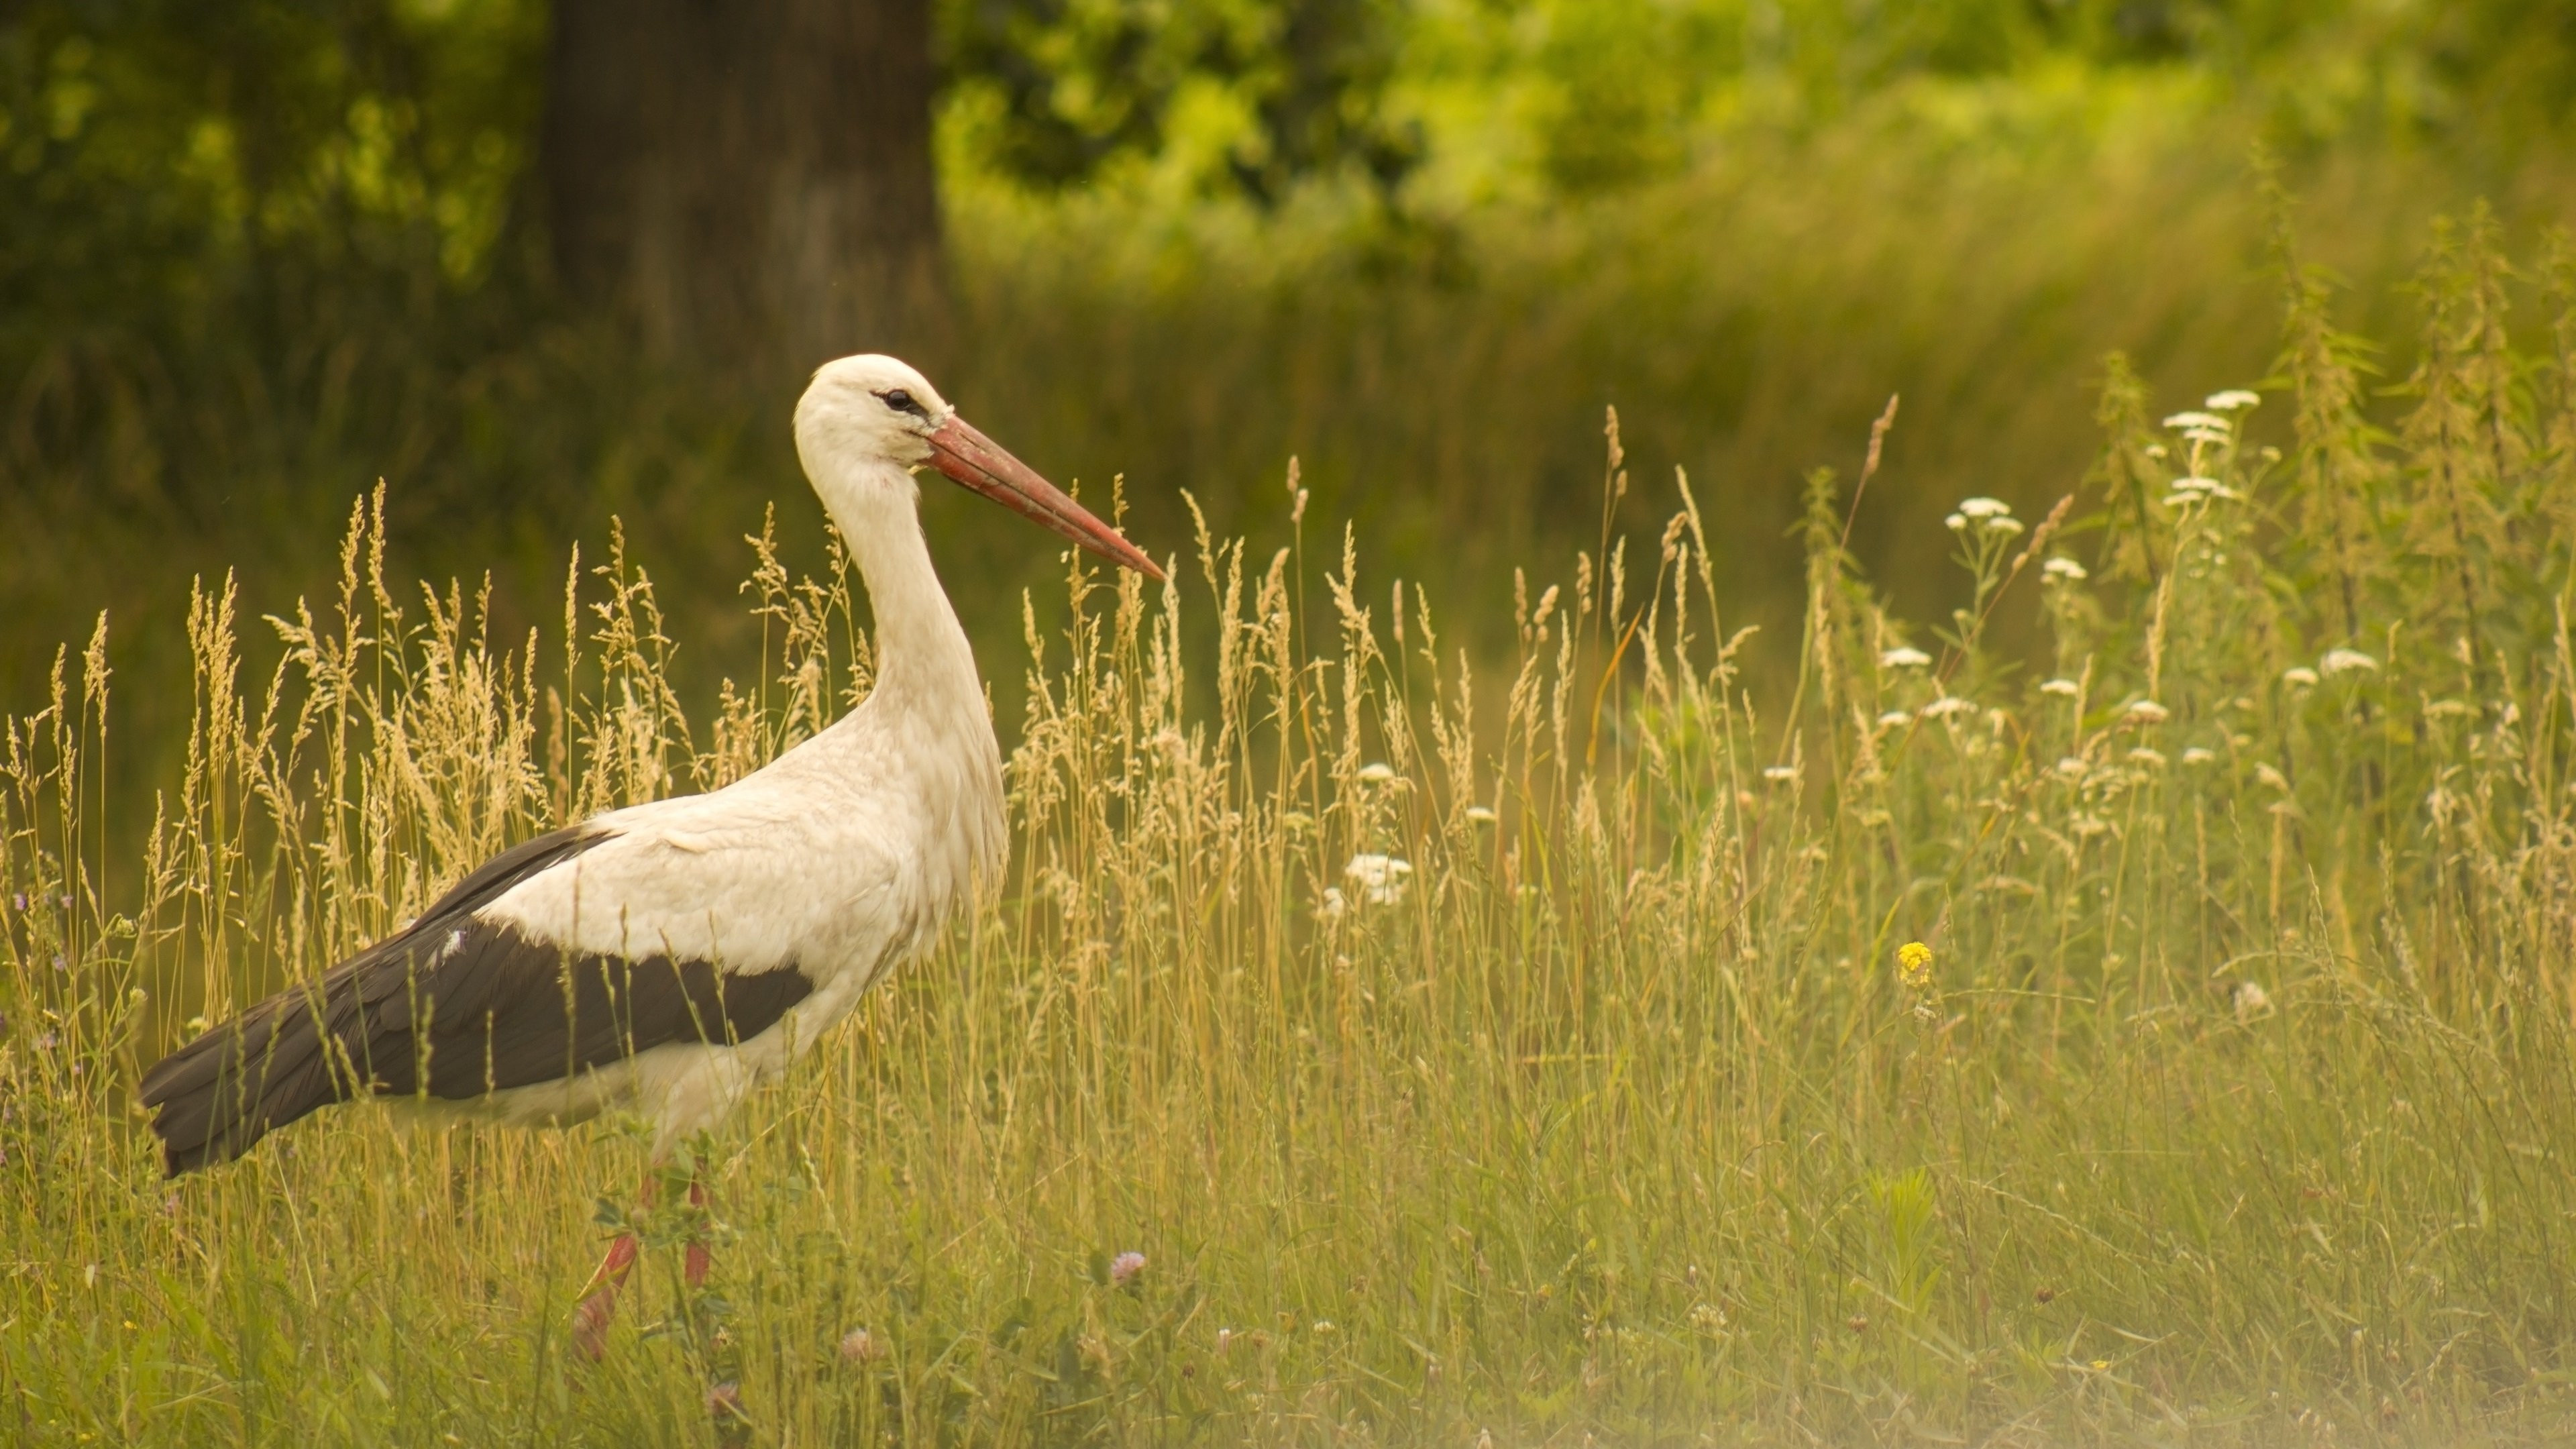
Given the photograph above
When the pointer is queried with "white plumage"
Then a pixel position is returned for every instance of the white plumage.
(841, 860)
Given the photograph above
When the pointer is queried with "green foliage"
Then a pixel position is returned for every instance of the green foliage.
(161, 155)
(233, 237)
(1052, 91)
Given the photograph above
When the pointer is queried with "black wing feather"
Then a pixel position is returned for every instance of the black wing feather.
(499, 1010)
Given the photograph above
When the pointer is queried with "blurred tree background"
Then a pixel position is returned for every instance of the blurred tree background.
(536, 264)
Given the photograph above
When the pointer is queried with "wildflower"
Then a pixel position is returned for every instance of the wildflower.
(2300, 675)
(1334, 904)
(1903, 656)
(1955, 522)
(2251, 1001)
(2269, 776)
(2101, 1364)
(2064, 568)
(1482, 814)
(1779, 774)
(1224, 1340)
(2144, 756)
(1708, 1318)
(1894, 718)
(1985, 508)
(1376, 773)
(2070, 766)
(2197, 420)
(2201, 491)
(1324, 1325)
(2154, 450)
(2197, 756)
(860, 1346)
(724, 1401)
(1947, 704)
(2342, 661)
(2146, 711)
(1125, 1269)
(2066, 687)
(2005, 526)
(2231, 400)
(1380, 878)
(18, 902)
(1914, 965)
(197, 1025)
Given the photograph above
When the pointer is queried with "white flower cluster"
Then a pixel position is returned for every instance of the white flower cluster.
(1377, 880)
(2202, 427)
(1988, 515)
(2198, 490)
(1380, 878)
(2334, 662)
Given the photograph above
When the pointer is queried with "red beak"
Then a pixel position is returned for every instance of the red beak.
(966, 455)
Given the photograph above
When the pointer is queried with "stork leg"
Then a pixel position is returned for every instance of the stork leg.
(700, 1260)
(590, 1320)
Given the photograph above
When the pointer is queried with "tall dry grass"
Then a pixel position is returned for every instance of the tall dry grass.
(1528, 1057)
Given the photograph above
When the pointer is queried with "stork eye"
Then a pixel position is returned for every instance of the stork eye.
(902, 402)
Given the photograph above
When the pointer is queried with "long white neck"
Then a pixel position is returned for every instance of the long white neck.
(924, 666)
(923, 732)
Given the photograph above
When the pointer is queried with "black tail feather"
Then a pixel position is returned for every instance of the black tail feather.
(219, 1094)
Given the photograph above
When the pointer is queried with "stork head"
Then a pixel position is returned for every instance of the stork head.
(877, 410)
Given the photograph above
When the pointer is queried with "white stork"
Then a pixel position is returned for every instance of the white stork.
(668, 957)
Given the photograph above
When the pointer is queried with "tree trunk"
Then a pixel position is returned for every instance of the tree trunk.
(747, 181)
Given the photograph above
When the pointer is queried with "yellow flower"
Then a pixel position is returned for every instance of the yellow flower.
(1914, 965)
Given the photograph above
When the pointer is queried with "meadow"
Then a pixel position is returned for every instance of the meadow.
(2153, 1031)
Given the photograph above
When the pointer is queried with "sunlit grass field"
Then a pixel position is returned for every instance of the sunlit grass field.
(2159, 1037)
